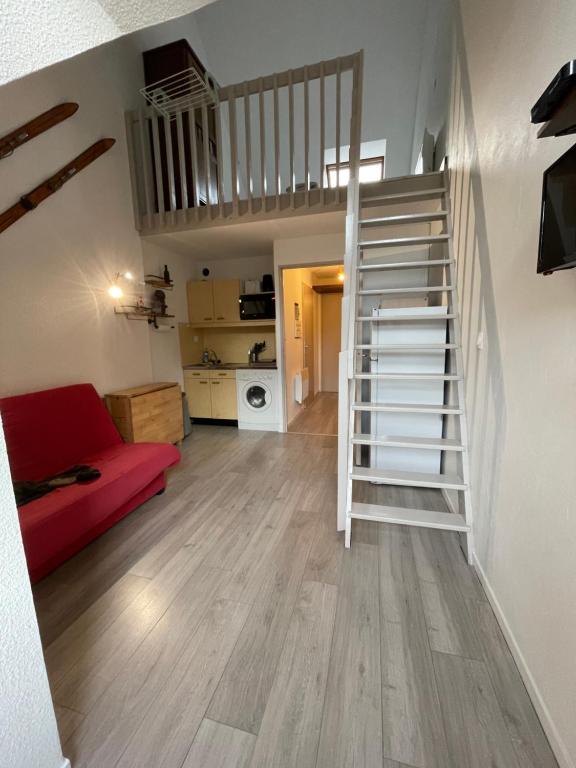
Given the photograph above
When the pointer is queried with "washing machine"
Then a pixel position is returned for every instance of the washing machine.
(258, 399)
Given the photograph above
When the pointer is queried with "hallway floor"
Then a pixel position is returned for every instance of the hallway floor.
(223, 625)
(319, 418)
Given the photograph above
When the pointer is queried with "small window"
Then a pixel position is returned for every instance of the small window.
(371, 169)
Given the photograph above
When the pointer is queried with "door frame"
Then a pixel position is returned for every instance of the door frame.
(279, 283)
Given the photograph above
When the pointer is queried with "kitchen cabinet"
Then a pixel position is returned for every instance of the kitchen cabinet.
(211, 394)
(224, 405)
(213, 301)
(198, 393)
(200, 301)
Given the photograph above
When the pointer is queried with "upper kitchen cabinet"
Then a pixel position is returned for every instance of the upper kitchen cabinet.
(226, 300)
(213, 301)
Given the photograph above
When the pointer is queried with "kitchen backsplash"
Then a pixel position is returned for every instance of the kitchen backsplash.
(230, 344)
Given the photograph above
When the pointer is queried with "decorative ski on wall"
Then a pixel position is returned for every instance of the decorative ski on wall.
(40, 193)
(35, 127)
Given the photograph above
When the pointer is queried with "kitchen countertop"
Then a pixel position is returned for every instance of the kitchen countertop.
(264, 364)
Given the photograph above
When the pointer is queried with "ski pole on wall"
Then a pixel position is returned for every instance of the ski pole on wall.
(35, 127)
(33, 199)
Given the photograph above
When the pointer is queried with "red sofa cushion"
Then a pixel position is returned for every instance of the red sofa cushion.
(54, 522)
(48, 432)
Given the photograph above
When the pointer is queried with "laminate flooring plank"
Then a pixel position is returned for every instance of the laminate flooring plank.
(69, 647)
(109, 653)
(103, 735)
(242, 694)
(68, 720)
(351, 733)
(412, 728)
(219, 746)
(167, 730)
(318, 418)
(255, 562)
(448, 619)
(290, 729)
(325, 558)
(439, 559)
(526, 732)
(394, 764)
(475, 729)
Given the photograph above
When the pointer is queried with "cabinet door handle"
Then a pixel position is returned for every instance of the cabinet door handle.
(215, 382)
(221, 374)
(220, 318)
(207, 318)
(203, 382)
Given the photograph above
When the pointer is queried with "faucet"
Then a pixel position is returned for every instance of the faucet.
(254, 351)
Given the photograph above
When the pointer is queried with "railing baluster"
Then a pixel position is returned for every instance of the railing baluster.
(248, 137)
(276, 143)
(158, 169)
(338, 98)
(291, 132)
(207, 165)
(170, 167)
(182, 161)
(219, 160)
(194, 156)
(262, 145)
(233, 152)
(322, 130)
(306, 137)
(145, 157)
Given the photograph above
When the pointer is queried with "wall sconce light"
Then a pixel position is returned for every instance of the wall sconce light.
(115, 291)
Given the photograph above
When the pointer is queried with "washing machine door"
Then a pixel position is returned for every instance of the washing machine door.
(257, 396)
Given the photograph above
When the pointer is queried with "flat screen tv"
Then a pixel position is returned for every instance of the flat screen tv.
(558, 221)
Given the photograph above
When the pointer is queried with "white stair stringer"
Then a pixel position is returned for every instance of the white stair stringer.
(363, 380)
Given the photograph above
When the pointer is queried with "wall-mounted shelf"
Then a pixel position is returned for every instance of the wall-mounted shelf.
(133, 313)
(234, 324)
(156, 282)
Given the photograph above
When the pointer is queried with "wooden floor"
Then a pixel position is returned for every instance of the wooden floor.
(319, 418)
(223, 625)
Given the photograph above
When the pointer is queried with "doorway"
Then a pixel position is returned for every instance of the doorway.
(312, 308)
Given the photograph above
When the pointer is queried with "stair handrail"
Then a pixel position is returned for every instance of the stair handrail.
(346, 360)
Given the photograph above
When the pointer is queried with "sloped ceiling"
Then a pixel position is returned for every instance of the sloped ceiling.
(37, 33)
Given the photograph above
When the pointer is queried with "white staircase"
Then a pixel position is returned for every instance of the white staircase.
(399, 256)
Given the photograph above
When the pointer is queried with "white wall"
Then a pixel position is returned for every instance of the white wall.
(58, 325)
(37, 33)
(28, 733)
(520, 387)
(258, 37)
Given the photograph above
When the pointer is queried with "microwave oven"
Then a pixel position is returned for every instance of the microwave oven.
(258, 306)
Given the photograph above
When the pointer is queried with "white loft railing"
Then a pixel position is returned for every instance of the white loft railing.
(262, 150)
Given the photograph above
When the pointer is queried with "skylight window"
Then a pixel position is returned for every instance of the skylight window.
(371, 170)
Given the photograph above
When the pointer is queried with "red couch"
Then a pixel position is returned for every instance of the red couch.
(50, 431)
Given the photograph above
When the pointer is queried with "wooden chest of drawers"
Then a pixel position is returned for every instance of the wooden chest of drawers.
(148, 414)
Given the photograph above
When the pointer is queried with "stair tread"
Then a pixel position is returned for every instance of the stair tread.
(418, 517)
(403, 218)
(415, 376)
(426, 263)
(400, 318)
(408, 347)
(399, 477)
(406, 240)
(407, 407)
(415, 289)
(433, 191)
(399, 441)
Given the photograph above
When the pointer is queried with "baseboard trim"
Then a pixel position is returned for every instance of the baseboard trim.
(558, 747)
